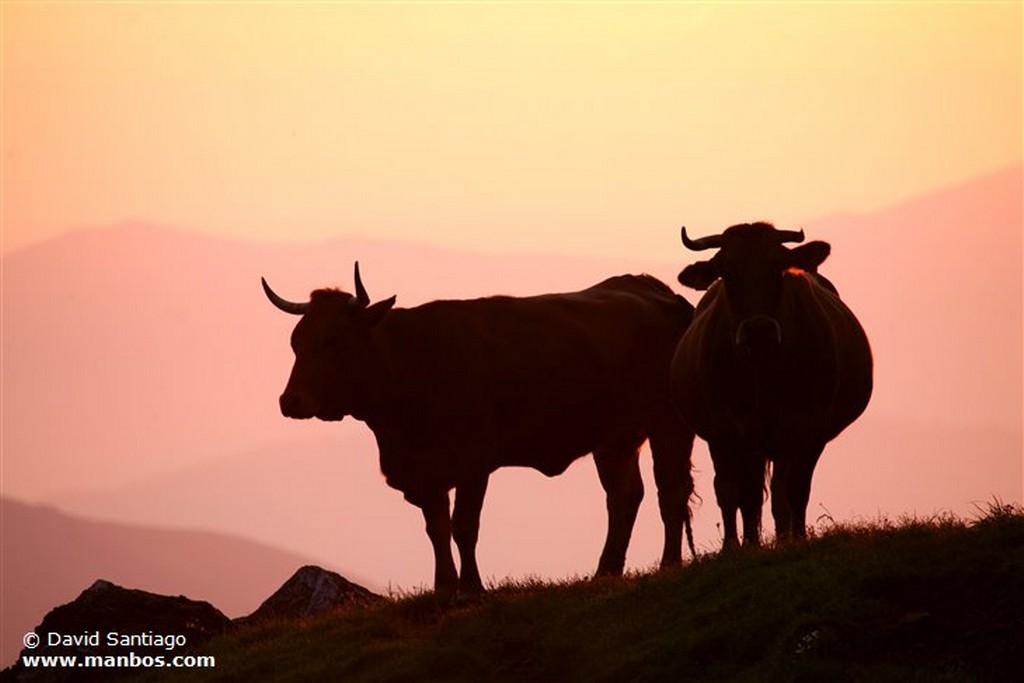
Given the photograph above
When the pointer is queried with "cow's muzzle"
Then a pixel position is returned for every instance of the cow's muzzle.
(758, 334)
(297, 405)
(300, 406)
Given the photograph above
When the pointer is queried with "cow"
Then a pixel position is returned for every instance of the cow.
(773, 367)
(455, 389)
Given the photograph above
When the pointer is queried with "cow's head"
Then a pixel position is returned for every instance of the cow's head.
(751, 262)
(332, 351)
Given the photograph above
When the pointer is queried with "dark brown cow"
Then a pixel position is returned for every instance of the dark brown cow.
(453, 390)
(773, 367)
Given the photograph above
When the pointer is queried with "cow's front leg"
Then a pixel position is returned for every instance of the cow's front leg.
(751, 490)
(727, 490)
(781, 512)
(469, 500)
(739, 484)
(798, 486)
(439, 530)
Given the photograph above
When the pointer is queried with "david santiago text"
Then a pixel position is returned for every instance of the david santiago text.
(115, 639)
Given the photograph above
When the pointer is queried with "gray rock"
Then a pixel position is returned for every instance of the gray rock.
(310, 591)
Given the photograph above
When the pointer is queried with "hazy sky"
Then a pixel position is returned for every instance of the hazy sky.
(595, 128)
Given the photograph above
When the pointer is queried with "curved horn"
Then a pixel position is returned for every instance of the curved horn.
(709, 242)
(283, 304)
(789, 236)
(362, 298)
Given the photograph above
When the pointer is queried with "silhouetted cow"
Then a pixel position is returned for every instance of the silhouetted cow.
(453, 390)
(773, 367)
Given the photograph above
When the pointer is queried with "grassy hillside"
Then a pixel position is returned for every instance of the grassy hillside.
(935, 600)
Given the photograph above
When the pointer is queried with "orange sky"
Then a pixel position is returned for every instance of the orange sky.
(594, 128)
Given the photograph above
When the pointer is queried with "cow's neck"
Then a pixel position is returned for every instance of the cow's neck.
(375, 395)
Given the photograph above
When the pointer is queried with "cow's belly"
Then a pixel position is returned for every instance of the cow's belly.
(551, 443)
(443, 455)
(550, 464)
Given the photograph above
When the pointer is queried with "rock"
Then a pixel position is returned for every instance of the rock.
(310, 591)
(122, 629)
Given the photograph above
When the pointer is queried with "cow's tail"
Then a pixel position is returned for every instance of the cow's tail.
(766, 486)
(690, 499)
(688, 526)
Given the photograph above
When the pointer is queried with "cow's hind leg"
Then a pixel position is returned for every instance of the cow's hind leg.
(469, 500)
(619, 471)
(436, 513)
(671, 449)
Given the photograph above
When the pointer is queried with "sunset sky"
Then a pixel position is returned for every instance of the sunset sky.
(571, 127)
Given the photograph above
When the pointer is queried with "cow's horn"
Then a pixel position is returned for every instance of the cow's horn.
(709, 242)
(362, 298)
(789, 236)
(283, 304)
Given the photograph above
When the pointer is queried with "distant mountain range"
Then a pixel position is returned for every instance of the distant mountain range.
(49, 557)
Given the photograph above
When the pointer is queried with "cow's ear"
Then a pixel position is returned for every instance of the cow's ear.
(809, 256)
(700, 275)
(374, 313)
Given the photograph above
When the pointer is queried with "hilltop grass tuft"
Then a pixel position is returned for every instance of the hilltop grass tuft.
(938, 599)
